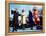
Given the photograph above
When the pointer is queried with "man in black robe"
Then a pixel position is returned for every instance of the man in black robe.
(31, 23)
(15, 20)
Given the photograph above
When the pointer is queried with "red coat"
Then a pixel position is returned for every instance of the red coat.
(36, 19)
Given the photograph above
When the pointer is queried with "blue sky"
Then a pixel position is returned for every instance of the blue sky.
(20, 7)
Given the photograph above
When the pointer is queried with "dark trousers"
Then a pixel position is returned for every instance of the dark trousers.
(31, 24)
(15, 25)
(23, 26)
